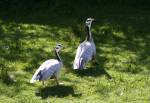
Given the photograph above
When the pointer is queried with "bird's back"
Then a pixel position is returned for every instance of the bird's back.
(46, 70)
(84, 52)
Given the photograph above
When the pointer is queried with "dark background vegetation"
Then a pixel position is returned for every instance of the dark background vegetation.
(121, 32)
(70, 8)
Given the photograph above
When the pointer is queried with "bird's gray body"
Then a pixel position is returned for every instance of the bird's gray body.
(85, 52)
(46, 70)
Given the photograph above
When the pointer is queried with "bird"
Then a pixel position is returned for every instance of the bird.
(86, 51)
(49, 68)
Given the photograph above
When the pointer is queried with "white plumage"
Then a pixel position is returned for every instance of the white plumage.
(49, 68)
(86, 50)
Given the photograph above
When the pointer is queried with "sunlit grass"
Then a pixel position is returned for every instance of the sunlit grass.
(122, 52)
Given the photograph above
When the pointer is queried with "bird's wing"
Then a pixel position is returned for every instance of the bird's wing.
(80, 50)
(84, 53)
(93, 48)
(47, 69)
(52, 69)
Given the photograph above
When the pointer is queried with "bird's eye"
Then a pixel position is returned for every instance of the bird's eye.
(57, 47)
(88, 20)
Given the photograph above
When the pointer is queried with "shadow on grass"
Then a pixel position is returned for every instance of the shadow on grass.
(56, 91)
(93, 71)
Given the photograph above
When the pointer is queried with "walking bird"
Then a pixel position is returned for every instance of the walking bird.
(50, 68)
(86, 50)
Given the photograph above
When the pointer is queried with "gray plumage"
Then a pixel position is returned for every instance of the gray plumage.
(49, 68)
(86, 50)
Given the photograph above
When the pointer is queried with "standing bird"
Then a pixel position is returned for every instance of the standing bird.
(50, 68)
(86, 50)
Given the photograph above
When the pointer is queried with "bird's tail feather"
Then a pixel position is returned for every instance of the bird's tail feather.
(78, 64)
(32, 81)
(34, 78)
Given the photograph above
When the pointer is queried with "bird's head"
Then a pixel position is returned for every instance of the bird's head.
(89, 21)
(58, 47)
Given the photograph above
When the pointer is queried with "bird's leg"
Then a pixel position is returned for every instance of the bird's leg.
(56, 79)
(94, 59)
(52, 77)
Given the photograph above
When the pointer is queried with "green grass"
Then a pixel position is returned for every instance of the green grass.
(122, 37)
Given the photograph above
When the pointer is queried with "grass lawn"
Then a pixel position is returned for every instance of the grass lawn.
(122, 38)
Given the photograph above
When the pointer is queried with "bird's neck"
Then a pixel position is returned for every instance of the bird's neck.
(57, 56)
(89, 35)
